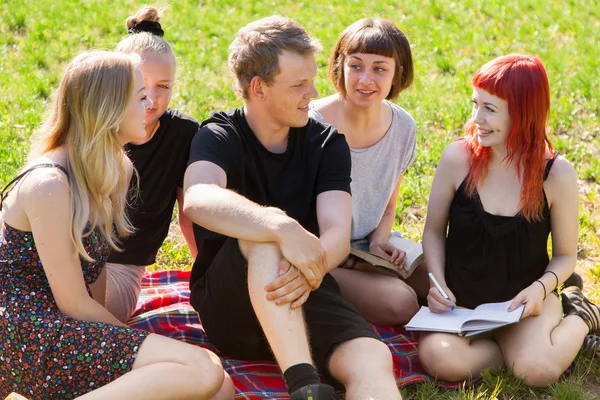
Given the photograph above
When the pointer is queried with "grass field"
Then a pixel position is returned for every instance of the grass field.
(450, 40)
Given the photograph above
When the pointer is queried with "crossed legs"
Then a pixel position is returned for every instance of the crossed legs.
(537, 349)
(362, 364)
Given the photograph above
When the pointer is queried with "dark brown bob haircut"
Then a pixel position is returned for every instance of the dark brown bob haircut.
(373, 36)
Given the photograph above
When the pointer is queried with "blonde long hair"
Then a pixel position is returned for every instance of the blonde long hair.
(88, 107)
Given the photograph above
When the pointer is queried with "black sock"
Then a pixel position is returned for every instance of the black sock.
(300, 375)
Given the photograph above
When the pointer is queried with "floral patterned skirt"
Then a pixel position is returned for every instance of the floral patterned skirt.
(46, 355)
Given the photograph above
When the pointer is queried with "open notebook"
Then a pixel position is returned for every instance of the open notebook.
(464, 321)
(414, 257)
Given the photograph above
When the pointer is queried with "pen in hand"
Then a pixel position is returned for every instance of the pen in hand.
(439, 288)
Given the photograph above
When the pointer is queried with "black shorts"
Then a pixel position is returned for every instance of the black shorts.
(222, 300)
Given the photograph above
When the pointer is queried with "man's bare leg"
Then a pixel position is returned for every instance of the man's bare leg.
(364, 366)
(284, 328)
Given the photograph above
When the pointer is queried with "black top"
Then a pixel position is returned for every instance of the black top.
(491, 258)
(317, 160)
(161, 164)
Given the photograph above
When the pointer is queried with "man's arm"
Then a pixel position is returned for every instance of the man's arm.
(185, 224)
(208, 203)
(334, 214)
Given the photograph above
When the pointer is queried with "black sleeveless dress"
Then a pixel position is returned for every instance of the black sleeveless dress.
(44, 354)
(491, 258)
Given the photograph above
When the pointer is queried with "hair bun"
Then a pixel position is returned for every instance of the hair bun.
(147, 26)
(145, 20)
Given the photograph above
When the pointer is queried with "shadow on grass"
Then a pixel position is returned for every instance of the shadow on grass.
(582, 384)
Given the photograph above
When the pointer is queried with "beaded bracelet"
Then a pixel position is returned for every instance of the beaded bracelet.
(544, 286)
(555, 276)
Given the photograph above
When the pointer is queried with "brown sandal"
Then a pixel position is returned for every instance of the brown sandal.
(575, 303)
(591, 346)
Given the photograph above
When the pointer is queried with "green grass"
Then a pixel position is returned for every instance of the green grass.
(450, 40)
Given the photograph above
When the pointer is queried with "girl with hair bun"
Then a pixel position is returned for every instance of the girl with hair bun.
(160, 158)
(61, 217)
(497, 195)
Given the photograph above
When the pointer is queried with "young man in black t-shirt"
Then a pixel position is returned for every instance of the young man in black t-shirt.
(269, 192)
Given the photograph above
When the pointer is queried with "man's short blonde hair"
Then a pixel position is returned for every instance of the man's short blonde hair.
(256, 48)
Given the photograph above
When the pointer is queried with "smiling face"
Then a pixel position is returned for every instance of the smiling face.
(491, 118)
(368, 78)
(286, 98)
(159, 75)
(132, 125)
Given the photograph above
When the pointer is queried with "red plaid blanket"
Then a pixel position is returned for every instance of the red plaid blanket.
(164, 308)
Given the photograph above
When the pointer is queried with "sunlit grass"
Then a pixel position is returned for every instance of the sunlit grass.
(450, 40)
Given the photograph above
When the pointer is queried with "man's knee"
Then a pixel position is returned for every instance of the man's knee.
(244, 246)
(361, 357)
(249, 248)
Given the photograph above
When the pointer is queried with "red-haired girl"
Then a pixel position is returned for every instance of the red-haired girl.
(496, 197)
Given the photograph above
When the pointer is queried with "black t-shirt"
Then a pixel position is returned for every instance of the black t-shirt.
(161, 164)
(317, 160)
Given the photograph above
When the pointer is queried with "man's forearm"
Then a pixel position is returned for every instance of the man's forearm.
(336, 243)
(228, 213)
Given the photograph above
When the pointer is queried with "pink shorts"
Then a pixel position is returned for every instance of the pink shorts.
(123, 287)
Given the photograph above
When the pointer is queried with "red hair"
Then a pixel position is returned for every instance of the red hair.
(522, 82)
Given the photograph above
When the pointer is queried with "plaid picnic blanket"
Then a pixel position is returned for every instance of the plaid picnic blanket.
(164, 308)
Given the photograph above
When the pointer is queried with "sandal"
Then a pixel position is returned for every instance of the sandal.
(575, 303)
(591, 346)
(574, 280)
